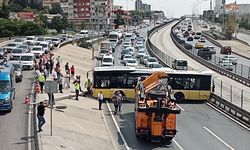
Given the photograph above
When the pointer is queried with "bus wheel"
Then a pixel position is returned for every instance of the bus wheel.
(179, 97)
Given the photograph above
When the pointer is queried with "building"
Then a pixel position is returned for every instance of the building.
(48, 3)
(138, 5)
(68, 8)
(244, 8)
(218, 9)
(146, 7)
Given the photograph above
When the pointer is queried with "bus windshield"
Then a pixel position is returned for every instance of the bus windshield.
(182, 63)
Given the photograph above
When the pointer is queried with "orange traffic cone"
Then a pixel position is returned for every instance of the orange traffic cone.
(26, 100)
(37, 88)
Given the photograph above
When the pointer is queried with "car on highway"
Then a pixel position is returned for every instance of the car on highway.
(155, 66)
(11, 45)
(190, 38)
(108, 60)
(131, 49)
(22, 40)
(39, 40)
(18, 51)
(126, 57)
(25, 47)
(46, 46)
(197, 35)
(226, 64)
(212, 49)
(180, 64)
(144, 59)
(151, 60)
(125, 52)
(30, 40)
(226, 50)
(37, 51)
(56, 41)
(139, 44)
(27, 60)
(230, 58)
(140, 53)
(113, 46)
(3, 53)
(51, 44)
(202, 39)
(18, 67)
(199, 45)
(131, 62)
(188, 46)
(185, 34)
(102, 52)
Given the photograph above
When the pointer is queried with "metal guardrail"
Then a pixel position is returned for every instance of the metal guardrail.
(234, 111)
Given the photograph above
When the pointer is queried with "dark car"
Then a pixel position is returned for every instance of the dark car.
(190, 38)
(3, 53)
(226, 50)
(180, 41)
(188, 46)
(205, 53)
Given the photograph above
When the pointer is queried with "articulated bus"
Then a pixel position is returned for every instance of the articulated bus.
(186, 85)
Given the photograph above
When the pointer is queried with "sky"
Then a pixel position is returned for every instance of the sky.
(175, 8)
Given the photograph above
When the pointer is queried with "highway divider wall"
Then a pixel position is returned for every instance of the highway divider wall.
(234, 111)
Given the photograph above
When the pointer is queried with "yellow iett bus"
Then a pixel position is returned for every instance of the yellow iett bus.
(186, 85)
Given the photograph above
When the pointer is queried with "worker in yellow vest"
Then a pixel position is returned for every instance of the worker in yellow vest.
(88, 85)
(41, 80)
(77, 89)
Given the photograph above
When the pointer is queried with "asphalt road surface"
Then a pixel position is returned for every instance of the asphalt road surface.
(14, 125)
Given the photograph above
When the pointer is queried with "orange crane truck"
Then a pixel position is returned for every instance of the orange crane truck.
(155, 109)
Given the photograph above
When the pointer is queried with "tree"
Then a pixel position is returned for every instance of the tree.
(230, 26)
(13, 7)
(4, 12)
(30, 28)
(56, 9)
(57, 23)
(41, 20)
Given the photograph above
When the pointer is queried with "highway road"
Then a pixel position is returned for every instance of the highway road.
(199, 126)
(14, 125)
(164, 42)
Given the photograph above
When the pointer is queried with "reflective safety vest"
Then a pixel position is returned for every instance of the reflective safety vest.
(77, 86)
(41, 78)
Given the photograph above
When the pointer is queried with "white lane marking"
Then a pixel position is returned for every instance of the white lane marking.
(178, 145)
(118, 129)
(218, 138)
(229, 117)
(29, 118)
(180, 107)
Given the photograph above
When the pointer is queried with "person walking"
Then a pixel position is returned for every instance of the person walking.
(40, 116)
(88, 85)
(67, 80)
(41, 80)
(115, 102)
(119, 100)
(77, 90)
(100, 99)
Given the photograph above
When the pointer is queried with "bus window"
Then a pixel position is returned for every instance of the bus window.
(118, 81)
(102, 81)
(132, 81)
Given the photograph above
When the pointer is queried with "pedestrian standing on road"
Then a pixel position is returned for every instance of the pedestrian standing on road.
(100, 99)
(72, 71)
(41, 80)
(119, 100)
(67, 67)
(60, 83)
(77, 90)
(67, 80)
(58, 60)
(88, 85)
(40, 116)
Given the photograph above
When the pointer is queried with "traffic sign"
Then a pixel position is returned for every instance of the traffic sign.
(51, 86)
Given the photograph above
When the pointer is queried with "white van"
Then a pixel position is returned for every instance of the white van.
(27, 60)
(84, 34)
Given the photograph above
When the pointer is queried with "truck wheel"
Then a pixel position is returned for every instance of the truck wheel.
(179, 97)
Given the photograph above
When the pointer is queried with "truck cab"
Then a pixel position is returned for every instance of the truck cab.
(7, 90)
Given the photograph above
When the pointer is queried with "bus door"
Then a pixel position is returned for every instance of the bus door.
(194, 92)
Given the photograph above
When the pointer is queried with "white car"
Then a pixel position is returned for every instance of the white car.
(131, 62)
(27, 60)
(46, 46)
(140, 53)
(139, 44)
(51, 45)
(126, 57)
(9, 47)
(230, 58)
(144, 59)
(202, 39)
(39, 40)
(226, 64)
(56, 41)
(30, 40)
(151, 60)
(108, 60)
(37, 51)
